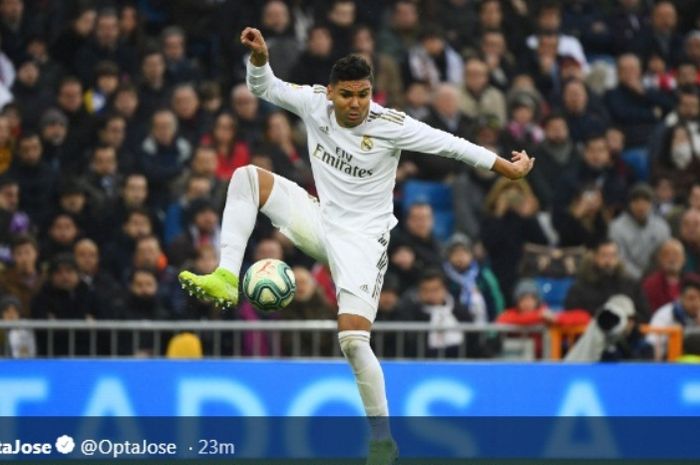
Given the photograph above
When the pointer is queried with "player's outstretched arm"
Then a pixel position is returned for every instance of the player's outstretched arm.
(263, 83)
(253, 39)
(518, 167)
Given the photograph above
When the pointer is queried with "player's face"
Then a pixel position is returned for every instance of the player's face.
(351, 101)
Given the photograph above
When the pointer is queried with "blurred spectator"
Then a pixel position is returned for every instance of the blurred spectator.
(117, 253)
(584, 117)
(473, 284)
(446, 115)
(204, 164)
(501, 64)
(164, 155)
(178, 67)
(148, 255)
(36, 179)
(594, 170)
(314, 64)
(529, 308)
(309, 303)
(53, 127)
(128, 106)
(15, 28)
(105, 46)
(613, 335)
(12, 220)
(30, 94)
(142, 303)
(630, 27)
(434, 304)
(387, 86)
(65, 297)
(583, 222)
(289, 159)
(132, 195)
(80, 123)
(679, 159)
(246, 108)
(417, 100)
(205, 261)
(340, 20)
(663, 284)
(201, 227)
(549, 20)
(103, 178)
(24, 278)
(477, 96)
(663, 39)
(633, 107)
(689, 235)
(7, 143)
(192, 121)
(384, 343)
(417, 234)
(231, 151)
(131, 26)
(638, 231)
(522, 129)
(152, 90)
(61, 234)
(433, 61)
(196, 187)
(278, 30)
(108, 292)
(111, 132)
(683, 311)
(99, 96)
(75, 35)
(401, 32)
(509, 224)
(18, 343)
(554, 155)
(601, 276)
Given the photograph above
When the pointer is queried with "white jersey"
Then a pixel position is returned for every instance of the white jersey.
(355, 168)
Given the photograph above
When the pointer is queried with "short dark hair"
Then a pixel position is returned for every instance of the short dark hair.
(431, 274)
(351, 68)
(690, 280)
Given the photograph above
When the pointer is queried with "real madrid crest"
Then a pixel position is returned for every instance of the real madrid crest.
(367, 143)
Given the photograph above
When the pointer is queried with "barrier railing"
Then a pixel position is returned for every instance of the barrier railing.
(313, 338)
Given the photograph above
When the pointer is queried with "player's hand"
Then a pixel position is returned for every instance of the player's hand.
(253, 39)
(522, 163)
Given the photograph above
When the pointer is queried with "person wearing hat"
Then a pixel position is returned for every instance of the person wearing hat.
(529, 308)
(472, 284)
(638, 231)
(53, 130)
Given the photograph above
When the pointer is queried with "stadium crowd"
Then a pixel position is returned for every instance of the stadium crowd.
(122, 122)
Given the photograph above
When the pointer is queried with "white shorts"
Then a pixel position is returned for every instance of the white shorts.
(357, 261)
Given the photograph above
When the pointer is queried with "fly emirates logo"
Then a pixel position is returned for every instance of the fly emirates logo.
(340, 160)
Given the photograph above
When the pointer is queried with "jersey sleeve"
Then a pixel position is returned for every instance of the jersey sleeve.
(263, 83)
(420, 137)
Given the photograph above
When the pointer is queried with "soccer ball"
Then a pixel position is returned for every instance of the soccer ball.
(269, 284)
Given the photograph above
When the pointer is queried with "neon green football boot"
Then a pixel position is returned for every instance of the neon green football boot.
(219, 287)
(382, 452)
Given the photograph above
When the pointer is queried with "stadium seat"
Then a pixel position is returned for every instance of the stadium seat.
(439, 196)
(554, 290)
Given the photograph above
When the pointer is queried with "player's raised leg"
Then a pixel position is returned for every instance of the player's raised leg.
(354, 337)
(249, 189)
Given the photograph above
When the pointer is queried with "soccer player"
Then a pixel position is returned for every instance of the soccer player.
(355, 146)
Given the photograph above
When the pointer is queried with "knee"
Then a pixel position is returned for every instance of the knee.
(352, 341)
(258, 180)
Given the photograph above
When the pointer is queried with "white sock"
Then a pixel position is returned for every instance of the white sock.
(369, 378)
(239, 217)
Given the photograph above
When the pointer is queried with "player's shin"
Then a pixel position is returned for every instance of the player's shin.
(370, 380)
(240, 213)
